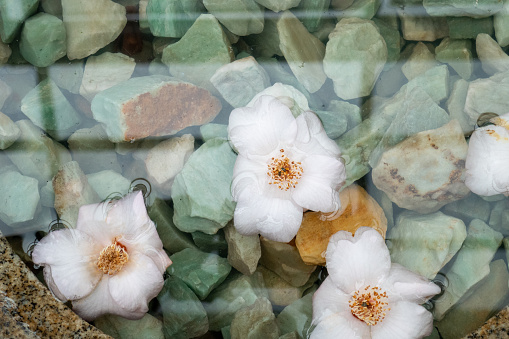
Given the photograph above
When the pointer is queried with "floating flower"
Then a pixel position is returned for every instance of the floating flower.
(113, 262)
(365, 296)
(285, 165)
(487, 160)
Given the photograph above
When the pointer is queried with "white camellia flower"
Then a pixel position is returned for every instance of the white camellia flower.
(113, 262)
(365, 296)
(284, 166)
(487, 163)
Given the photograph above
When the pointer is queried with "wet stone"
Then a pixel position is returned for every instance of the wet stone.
(67, 75)
(201, 271)
(482, 8)
(12, 16)
(23, 198)
(108, 183)
(456, 105)
(212, 243)
(333, 123)
(423, 28)
(53, 7)
(211, 131)
(472, 207)
(47, 195)
(168, 105)
(265, 44)
(172, 18)
(9, 131)
(313, 13)
(199, 209)
(297, 317)
(493, 58)
(255, 321)
(363, 9)
(5, 93)
(458, 54)
(420, 61)
(501, 25)
(278, 5)
(425, 243)
(392, 39)
(244, 251)
(5, 53)
(148, 327)
(468, 28)
(241, 17)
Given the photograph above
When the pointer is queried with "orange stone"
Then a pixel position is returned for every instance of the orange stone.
(358, 209)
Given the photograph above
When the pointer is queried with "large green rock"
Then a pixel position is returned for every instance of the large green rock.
(172, 18)
(49, 109)
(148, 327)
(21, 197)
(333, 123)
(43, 40)
(212, 243)
(297, 316)
(201, 191)
(392, 39)
(67, 74)
(420, 60)
(467, 28)
(201, 271)
(493, 58)
(241, 17)
(458, 54)
(482, 8)
(312, 13)
(255, 321)
(9, 131)
(183, 314)
(107, 183)
(244, 251)
(12, 16)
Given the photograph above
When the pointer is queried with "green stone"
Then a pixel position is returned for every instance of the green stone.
(487, 95)
(290, 335)
(5, 53)
(489, 297)
(255, 321)
(201, 51)
(212, 131)
(12, 16)
(505, 241)
(482, 8)
(196, 209)
(493, 58)
(107, 183)
(302, 50)
(21, 198)
(499, 217)
(9, 131)
(422, 27)
(47, 195)
(143, 18)
(201, 271)
(49, 109)
(67, 74)
(297, 316)
(244, 251)
(501, 25)
(241, 17)
(212, 243)
(456, 105)
(265, 44)
(458, 54)
(156, 67)
(392, 39)
(467, 28)
(225, 331)
(425, 243)
(53, 7)
(172, 18)
(148, 327)
(43, 40)
(470, 266)
(278, 5)
(333, 123)
(472, 207)
(312, 13)
(236, 292)
(183, 314)
(159, 44)
(420, 60)
(173, 239)
(363, 9)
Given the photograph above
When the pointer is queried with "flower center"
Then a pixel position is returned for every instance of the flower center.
(369, 305)
(112, 258)
(284, 172)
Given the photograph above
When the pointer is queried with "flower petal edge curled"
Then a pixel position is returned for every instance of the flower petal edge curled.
(367, 296)
(111, 263)
(285, 165)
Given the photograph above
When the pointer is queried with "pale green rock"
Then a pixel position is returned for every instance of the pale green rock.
(425, 243)
(468, 28)
(92, 149)
(290, 335)
(183, 314)
(456, 105)
(12, 16)
(148, 327)
(470, 266)
(143, 18)
(266, 44)
(67, 75)
(211, 131)
(172, 18)
(324, 30)
(284, 259)
(312, 13)
(108, 182)
(244, 251)
(499, 217)
(302, 50)
(5, 93)
(333, 123)
(91, 25)
(173, 239)
(505, 241)
(201, 191)
(239, 81)
(156, 67)
(472, 207)
(482, 8)
(236, 292)
(211, 243)
(422, 28)
(392, 39)
(351, 112)
(385, 203)
(43, 40)
(159, 44)
(255, 321)
(363, 9)
(21, 80)
(420, 61)
(35, 154)
(489, 297)
(9, 131)
(279, 5)
(241, 17)
(501, 25)
(104, 71)
(47, 195)
(49, 109)
(201, 272)
(201, 51)
(493, 58)
(5, 53)
(458, 54)
(297, 317)
(354, 57)
(21, 198)
(225, 331)
(53, 7)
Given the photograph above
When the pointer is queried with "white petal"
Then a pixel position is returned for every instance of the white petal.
(258, 130)
(311, 137)
(407, 285)
(248, 172)
(359, 261)
(336, 326)
(92, 220)
(329, 299)
(136, 284)
(404, 320)
(48, 278)
(128, 214)
(317, 190)
(71, 255)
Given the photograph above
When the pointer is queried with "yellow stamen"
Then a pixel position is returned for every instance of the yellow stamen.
(112, 258)
(369, 305)
(284, 172)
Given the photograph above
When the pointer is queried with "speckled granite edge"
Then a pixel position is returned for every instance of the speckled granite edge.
(29, 308)
(497, 327)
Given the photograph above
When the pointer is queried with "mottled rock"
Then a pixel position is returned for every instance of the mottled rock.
(67, 75)
(303, 52)
(278, 5)
(148, 327)
(354, 57)
(482, 8)
(108, 182)
(104, 71)
(423, 28)
(458, 54)
(456, 105)
(12, 16)
(425, 171)
(470, 266)
(501, 25)
(201, 191)
(21, 198)
(297, 316)
(465, 27)
(244, 251)
(425, 243)
(357, 209)
(420, 61)
(9, 131)
(255, 321)
(493, 58)
(241, 17)
(91, 25)
(239, 81)
(168, 105)
(172, 18)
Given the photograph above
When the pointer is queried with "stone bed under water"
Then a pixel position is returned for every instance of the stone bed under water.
(99, 98)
